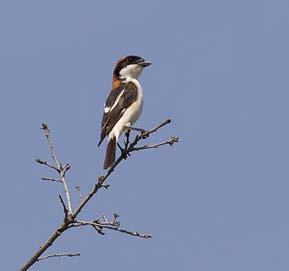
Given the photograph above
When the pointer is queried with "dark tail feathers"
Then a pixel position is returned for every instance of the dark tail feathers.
(110, 153)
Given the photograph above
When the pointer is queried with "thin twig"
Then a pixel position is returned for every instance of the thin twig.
(64, 207)
(58, 255)
(51, 147)
(149, 132)
(170, 142)
(61, 170)
(132, 233)
(110, 226)
(45, 163)
(96, 226)
(65, 169)
(50, 179)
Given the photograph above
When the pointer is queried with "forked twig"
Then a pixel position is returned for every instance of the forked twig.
(123, 155)
(99, 226)
(170, 142)
(58, 167)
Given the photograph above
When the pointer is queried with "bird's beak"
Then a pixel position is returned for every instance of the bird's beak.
(145, 63)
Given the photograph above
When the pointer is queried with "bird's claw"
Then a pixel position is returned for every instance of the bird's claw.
(123, 151)
(138, 129)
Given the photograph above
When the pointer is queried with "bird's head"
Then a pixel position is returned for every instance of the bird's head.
(130, 67)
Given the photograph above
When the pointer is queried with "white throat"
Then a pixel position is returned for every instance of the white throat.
(131, 71)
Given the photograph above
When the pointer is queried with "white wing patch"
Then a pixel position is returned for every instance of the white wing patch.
(106, 109)
(116, 101)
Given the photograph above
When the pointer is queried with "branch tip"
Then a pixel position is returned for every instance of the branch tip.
(58, 255)
(45, 127)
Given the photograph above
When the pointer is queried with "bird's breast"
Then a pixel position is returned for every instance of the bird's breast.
(131, 114)
(134, 111)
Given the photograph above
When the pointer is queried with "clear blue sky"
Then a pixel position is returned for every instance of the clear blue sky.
(216, 201)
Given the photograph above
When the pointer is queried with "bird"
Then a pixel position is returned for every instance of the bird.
(124, 103)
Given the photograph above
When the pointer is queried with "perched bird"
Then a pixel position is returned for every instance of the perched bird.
(123, 105)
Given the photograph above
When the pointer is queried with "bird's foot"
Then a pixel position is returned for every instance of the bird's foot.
(137, 129)
(123, 151)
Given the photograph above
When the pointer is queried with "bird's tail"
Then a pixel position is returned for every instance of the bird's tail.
(110, 153)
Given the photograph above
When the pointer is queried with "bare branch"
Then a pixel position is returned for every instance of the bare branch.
(51, 147)
(63, 227)
(98, 227)
(110, 226)
(170, 142)
(70, 215)
(51, 179)
(132, 233)
(58, 255)
(149, 132)
(65, 169)
(45, 163)
(123, 155)
(60, 169)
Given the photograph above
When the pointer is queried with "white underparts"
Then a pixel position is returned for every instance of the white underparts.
(130, 115)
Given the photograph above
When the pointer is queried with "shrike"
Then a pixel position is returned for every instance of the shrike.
(124, 103)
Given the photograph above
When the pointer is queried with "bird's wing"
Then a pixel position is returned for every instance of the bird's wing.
(116, 104)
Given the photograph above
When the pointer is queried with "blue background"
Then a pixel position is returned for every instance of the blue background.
(216, 201)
